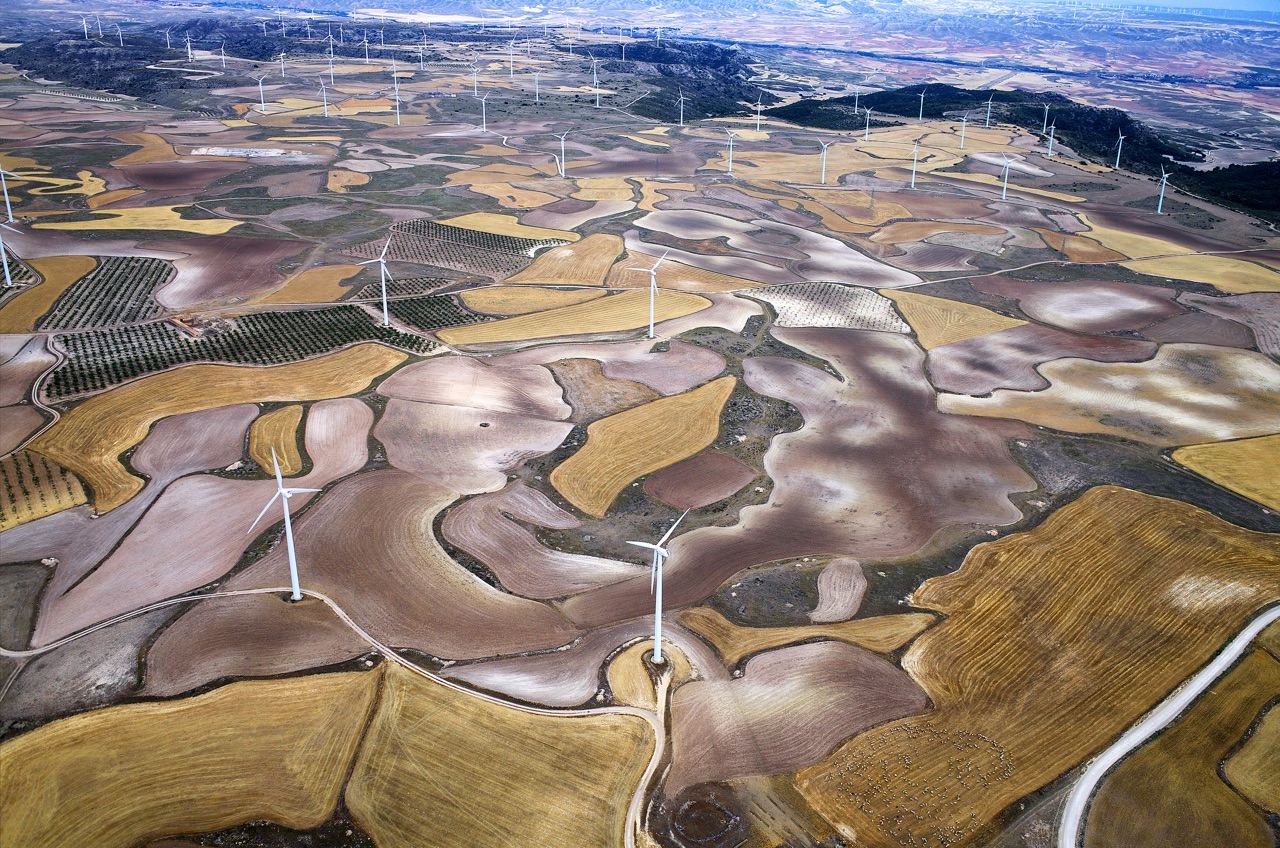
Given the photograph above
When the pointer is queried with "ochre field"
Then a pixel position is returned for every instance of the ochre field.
(1157, 585)
(90, 438)
(633, 443)
(278, 431)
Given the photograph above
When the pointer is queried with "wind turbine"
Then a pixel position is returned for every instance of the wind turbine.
(168, 44)
(396, 97)
(595, 79)
(366, 47)
(281, 58)
(562, 136)
(97, 20)
(857, 93)
(655, 584)
(866, 131)
(915, 156)
(964, 122)
(284, 494)
(681, 101)
(1164, 180)
(84, 22)
(758, 107)
(989, 100)
(324, 95)
(731, 135)
(1004, 191)
(221, 49)
(1044, 127)
(653, 287)
(511, 59)
(920, 117)
(119, 34)
(825, 145)
(1052, 129)
(262, 100)
(1119, 147)
(8, 209)
(383, 276)
(4, 257)
(191, 57)
(484, 112)
(475, 80)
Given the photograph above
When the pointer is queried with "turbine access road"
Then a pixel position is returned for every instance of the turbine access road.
(1162, 716)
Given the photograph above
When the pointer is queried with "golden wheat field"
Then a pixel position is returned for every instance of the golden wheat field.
(1023, 615)
(583, 263)
(939, 322)
(277, 430)
(630, 681)
(521, 300)
(146, 218)
(1247, 466)
(314, 285)
(35, 487)
(90, 437)
(340, 180)
(21, 313)
(1169, 791)
(883, 634)
(274, 749)
(1253, 768)
(635, 442)
(1222, 272)
(440, 768)
(614, 314)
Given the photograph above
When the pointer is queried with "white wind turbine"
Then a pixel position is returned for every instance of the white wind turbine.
(595, 79)
(221, 49)
(1004, 190)
(655, 584)
(284, 494)
(168, 42)
(1119, 147)
(8, 208)
(97, 20)
(560, 162)
(537, 88)
(920, 117)
(84, 22)
(1052, 130)
(324, 95)
(964, 123)
(484, 112)
(1164, 180)
(653, 287)
(383, 276)
(866, 131)
(759, 97)
(731, 133)
(4, 257)
(366, 47)
(915, 156)
(191, 57)
(825, 145)
(119, 34)
(681, 101)
(511, 59)
(857, 93)
(281, 58)
(262, 99)
(475, 80)
(989, 101)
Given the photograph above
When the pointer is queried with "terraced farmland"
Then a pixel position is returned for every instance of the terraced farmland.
(121, 289)
(99, 359)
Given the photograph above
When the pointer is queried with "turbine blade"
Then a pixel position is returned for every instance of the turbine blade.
(276, 463)
(385, 248)
(300, 491)
(264, 512)
(664, 539)
(645, 545)
(660, 258)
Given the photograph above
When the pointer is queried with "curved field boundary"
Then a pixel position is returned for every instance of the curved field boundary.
(1151, 724)
(89, 439)
(640, 440)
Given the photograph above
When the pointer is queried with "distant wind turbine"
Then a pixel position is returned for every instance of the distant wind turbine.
(915, 156)
(475, 80)
(1052, 130)
(324, 95)
(191, 57)
(681, 101)
(366, 48)
(168, 43)
(284, 494)
(759, 98)
(920, 117)
(655, 584)
(281, 58)
(731, 135)
(964, 122)
(537, 88)
(857, 93)
(8, 209)
(511, 59)
(119, 34)
(262, 99)
(84, 22)
(560, 162)
(825, 145)
(1044, 127)
(1119, 147)
(987, 125)
(484, 112)
(383, 275)
(653, 286)
(866, 131)
(1164, 181)
(221, 49)
(97, 20)
(595, 79)
(1004, 190)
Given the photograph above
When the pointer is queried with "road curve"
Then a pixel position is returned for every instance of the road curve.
(1069, 832)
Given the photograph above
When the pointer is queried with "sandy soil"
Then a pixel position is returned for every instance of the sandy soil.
(871, 423)
(788, 710)
(1086, 306)
(202, 516)
(464, 449)
(1008, 359)
(841, 586)
(527, 390)
(216, 268)
(699, 480)
(489, 528)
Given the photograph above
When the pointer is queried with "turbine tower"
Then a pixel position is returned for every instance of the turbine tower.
(920, 117)
(964, 123)
(655, 584)
(1044, 127)
(1164, 181)
(560, 162)
(119, 34)
(383, 276)
(681, 101)
(825, 145)
(1052, 129)
(1004, 191)
(653, 286)
(4, 186)
(866, 131)
(595, 79)
(758, 107)
(284, 494)
(262, 99)
(731, 135)
(324, 95)
(484, 112)
(915, 156)
(4, 257)
(989, 99)
(1119, 147)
